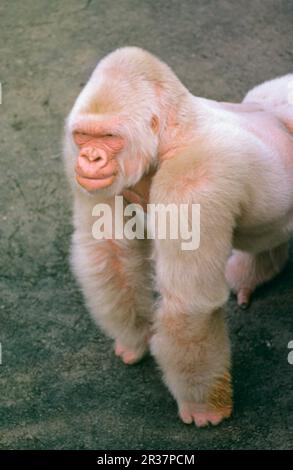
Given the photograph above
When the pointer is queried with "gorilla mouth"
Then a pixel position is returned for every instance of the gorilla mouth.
(91, 184)
(91, 177)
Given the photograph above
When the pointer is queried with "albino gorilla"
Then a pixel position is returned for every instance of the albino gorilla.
(136, 130)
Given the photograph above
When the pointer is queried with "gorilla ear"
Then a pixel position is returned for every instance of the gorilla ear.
(155, 124)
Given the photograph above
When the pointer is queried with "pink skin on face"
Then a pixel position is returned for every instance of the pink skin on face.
(96, 165)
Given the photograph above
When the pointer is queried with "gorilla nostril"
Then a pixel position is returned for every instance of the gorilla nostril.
(84, 154)
(93, 157)
(99, 160)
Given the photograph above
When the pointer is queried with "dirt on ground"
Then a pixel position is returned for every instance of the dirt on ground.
(61, 387)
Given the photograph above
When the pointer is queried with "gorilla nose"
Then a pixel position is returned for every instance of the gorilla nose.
(95, 155)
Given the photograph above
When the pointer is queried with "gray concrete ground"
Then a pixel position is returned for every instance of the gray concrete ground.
(60, 384)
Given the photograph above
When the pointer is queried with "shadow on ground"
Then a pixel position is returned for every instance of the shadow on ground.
(61, 386)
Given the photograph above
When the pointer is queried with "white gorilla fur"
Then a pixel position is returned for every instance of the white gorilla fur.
(236, 161)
